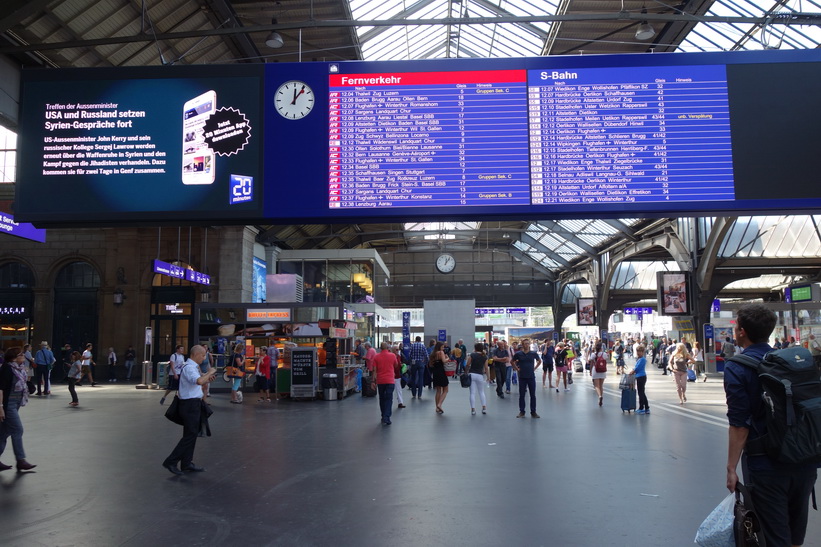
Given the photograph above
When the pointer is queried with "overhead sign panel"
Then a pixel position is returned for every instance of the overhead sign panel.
(548, 137)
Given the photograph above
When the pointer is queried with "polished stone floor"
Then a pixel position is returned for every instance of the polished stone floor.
(327, 473)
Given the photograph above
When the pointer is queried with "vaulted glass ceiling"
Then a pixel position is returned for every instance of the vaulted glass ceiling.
(450, 41)
(528, 39)
(732, 37)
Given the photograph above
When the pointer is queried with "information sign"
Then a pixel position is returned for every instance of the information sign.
(303, 372)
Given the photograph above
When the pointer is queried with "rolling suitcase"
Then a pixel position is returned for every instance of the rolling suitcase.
(628, 400)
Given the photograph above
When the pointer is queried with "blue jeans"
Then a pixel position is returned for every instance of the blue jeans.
(417, 378)
(13, 427)
(128, 366)
(508, 376)
(524, 385)
(386, 400)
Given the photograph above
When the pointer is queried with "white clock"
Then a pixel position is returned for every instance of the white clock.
(294, 100)
(445, 263)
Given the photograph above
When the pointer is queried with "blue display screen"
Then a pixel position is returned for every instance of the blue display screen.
(538, 138)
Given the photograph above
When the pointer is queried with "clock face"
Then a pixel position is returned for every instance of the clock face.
(294, 100)
(445, 263)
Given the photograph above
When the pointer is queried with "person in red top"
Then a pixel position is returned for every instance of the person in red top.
(383, 365)
(370, 353)
(263, 373)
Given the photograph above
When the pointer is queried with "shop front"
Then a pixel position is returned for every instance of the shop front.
(308, 337)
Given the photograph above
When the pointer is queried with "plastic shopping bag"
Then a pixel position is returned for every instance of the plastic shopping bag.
(717, 528)
(628, 381)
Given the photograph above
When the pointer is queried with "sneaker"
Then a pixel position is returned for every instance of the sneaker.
(557, 390)
(162, 401)
(507, 391)
(534, 415)
(400, 406)
(520, 415)
(640, 411)
(565, 389)
(647, 411)
(472, 412)
(484, 411)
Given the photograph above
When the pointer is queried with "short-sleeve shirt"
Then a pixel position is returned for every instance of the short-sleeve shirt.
(526, 363)
(177, 361)
(383, 364)
(501, 354)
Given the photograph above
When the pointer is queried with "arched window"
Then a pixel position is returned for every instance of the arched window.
(77, 275)
(16, 275)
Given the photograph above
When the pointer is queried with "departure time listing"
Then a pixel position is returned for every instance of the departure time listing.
(622, 135)
(428, 139)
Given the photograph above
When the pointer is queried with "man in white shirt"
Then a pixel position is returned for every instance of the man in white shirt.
(176, 362)
(190, 381)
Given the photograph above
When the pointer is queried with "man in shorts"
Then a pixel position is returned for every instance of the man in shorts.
(548, 352)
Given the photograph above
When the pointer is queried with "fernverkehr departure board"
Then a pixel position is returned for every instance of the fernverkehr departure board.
(428, 139)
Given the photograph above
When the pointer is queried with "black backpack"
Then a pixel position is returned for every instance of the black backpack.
(791, 390)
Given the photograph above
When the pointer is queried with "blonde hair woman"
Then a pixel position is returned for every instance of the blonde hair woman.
(679, 363)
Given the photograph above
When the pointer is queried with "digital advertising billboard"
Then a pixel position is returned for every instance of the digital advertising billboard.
(141, 145)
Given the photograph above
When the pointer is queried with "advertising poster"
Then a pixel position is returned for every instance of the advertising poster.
(117, 149)
(259, 288)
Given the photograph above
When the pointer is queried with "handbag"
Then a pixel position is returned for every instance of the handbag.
(173, 411)
(746, 526)
(234, 372)
(465, 380)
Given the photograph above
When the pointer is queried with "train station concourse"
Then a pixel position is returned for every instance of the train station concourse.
(292, 184)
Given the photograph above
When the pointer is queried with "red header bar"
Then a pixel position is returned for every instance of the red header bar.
(422, 78)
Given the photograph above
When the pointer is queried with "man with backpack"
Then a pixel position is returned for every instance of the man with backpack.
(780, 490)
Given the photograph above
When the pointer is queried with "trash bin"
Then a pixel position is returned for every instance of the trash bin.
(329, 390)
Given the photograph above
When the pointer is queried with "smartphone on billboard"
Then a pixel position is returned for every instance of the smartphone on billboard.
(197, 157)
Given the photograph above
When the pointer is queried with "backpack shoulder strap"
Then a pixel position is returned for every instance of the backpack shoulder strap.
(745, 360)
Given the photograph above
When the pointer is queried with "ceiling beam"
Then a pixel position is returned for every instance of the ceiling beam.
(793, 19)
(14, 11)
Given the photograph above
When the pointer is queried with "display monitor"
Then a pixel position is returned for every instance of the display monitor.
(585, 311)
(674, 293)
(801, 293)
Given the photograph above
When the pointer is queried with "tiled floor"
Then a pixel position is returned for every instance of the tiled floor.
(327, 473)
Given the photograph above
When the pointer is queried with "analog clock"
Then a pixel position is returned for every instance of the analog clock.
(294, 100)
(445, 263)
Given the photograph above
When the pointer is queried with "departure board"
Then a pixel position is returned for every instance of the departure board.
(618, 135)
(428, 139)
(513, 137)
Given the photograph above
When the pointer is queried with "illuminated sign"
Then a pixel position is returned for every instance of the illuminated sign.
(171, 270)
(197, 277)
(21, 229)
(264, 314)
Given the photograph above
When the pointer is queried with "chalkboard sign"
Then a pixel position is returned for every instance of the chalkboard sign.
(303, 372)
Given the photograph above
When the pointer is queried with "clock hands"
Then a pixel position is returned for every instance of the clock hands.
(296, 95)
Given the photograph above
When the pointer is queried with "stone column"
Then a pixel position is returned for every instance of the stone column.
(236, 259)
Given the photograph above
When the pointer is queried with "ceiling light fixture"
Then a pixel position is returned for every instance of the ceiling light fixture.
(645, 31)
(274, 40)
